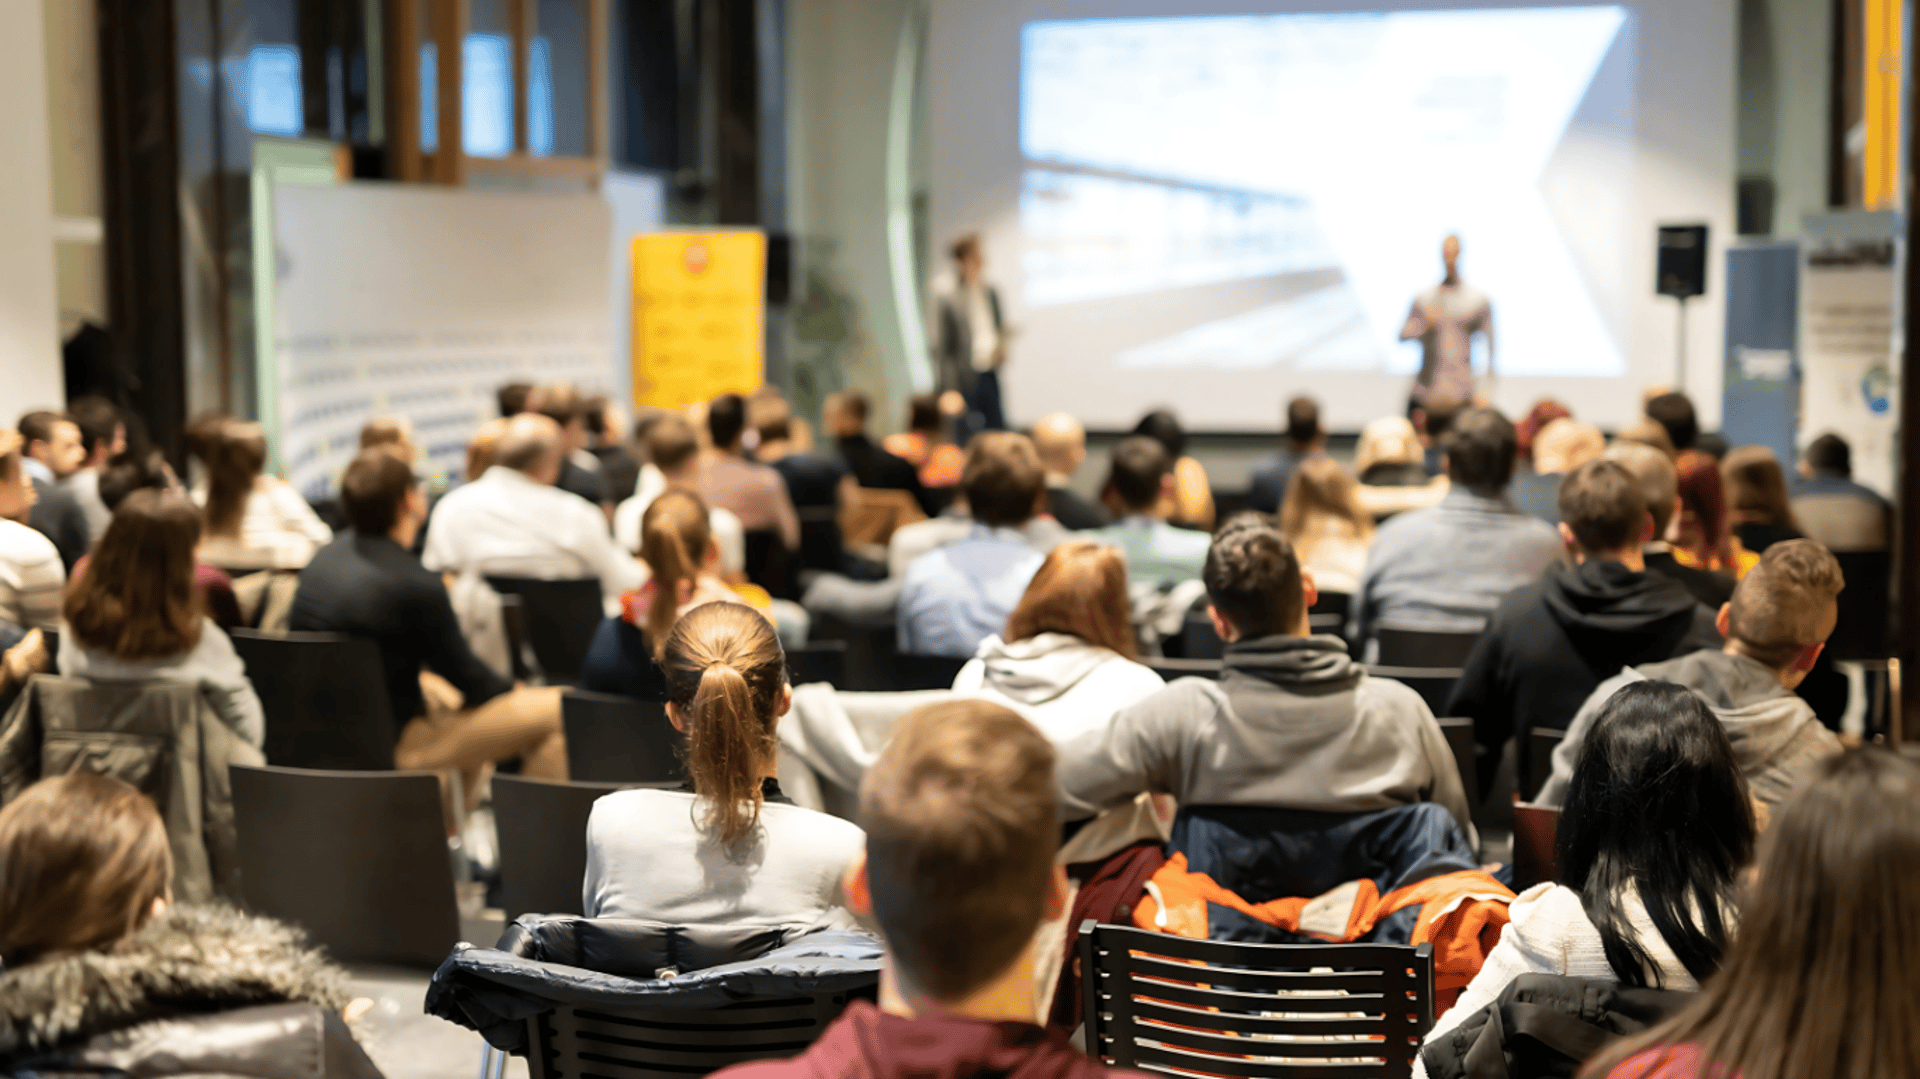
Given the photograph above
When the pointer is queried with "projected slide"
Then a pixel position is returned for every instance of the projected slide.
(1268, 193)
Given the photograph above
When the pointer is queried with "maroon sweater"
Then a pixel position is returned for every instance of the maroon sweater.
(867, 1043)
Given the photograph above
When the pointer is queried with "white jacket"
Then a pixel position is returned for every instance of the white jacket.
(1065, 685)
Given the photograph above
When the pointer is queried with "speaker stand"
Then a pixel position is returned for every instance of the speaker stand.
(1680, 350)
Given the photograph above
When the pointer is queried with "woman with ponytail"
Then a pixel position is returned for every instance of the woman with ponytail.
(254, 520)
(729, 849)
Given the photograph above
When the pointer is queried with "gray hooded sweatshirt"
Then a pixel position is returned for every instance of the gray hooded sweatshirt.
(1292, 723)
(1775, 734)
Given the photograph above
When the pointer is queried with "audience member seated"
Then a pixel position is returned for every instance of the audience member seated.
(1067, 662)
(872, 467)
(1550, 642)
(254, 520)
(512, 521)
(619, 467)
(367, 583)
(481, 449)
(31, 575)
(732, 850)
(1139, 489)
(925, 447)
(102, 437)
(132, 472)
(958, 873)
(1388, 455)
(513, 398)
(1659, 485)
(1561, 446)
(1832, 509)
(674, 451)
(53, 452)
(1061, 442)
(1445, 568)
(1757, 502)
(1701, 535)
(391, 433)
(1816, 981)
(957, 595)
(819, 484)
(1535, 489)
(1041, 532)
(135, 613)
(1775, 627)
(677, 545)
(1432, 417)
(753, 492)
(105, 976)
(1324, 520)
(1190, 503)
(1674, 413)
(1304, 439)
(1657, 828)
(579, 470)
(1292, 723)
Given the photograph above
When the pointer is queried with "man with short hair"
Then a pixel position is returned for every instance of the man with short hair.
(1832, 509)
(1292, 723)
(512, 398)
(962, 824)
(1550, 642)
(1443, 569)
(1304, 438)
(1659, 486)
(366, 583)
(846, 415)
(1674, 413)
(102, 436)
(619, 467)
(1775, 628)
(1061, 442)
(819, 484)
(753, 491)
(579, 470)
(512, 521)
(954, 597)
(674, 449)
(53, 452)
(1140, 487)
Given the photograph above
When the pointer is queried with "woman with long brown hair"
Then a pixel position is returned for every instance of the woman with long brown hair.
(254, 520)
(1329, 529)
(103, 974)
(1067, 662)
(1824, 977)
(1699, 533)
(1757, 504)
(135, 614)
(732, 850)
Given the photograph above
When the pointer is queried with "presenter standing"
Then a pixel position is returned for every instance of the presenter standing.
(1444, 319)
(972, 346)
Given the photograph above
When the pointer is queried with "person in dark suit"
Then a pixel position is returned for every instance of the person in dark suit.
(871, 466)
(1305, 437)
(972, 345)
(54, 451)
(1062, 444)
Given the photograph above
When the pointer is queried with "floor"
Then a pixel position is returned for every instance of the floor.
(407, 1043)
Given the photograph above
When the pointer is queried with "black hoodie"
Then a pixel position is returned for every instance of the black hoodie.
(1549, 643)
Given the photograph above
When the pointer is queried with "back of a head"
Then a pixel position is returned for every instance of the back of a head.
(1440, 410)
(99, 421)
(1389, 440)
(1252, 576)
(1757, 485)
(962, 820)
(1303, 422)
(1786, 602)
(593, 413)
(1544, 411)
(725, 672)
(1646, 432)
(672, 443)
(1604, 507)
(1002, 479)
(1829, 455)
(137, 598)
(1657, 807)
(1481, 447)
(1564, 445)
(923, 413)
(391, 433)
(1061, 441)
(1319, 488)
(83, 856)
(512, 398)
(130, 472)
(726, 420)
(483, 446)
(235, 458)
(560, 402)
(201, 431)
(675, 534)
(373, 491)
(1674, 413)
(1702, 492)
(1080, 590)
(1138, 472)
(1653, 474)
(529, 443)
(1164, 427)
(847, 412)
(771, 417)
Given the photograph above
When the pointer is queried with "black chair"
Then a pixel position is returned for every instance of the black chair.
(1434, 684)
(770, 564)
(1329, 613)
(1423, 648)
(357, 859)
(559, 619)
(619, 740)
(325, 698)
(913, 671)
(1864, 630)
(1539, 760)
(1198, 639)
(543, 842)
(1165, 1003)
(819, 661)
(1459, 732)
(1536, 829)
(1170, 669)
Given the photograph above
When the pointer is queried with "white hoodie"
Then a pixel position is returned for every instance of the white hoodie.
(1065, 685)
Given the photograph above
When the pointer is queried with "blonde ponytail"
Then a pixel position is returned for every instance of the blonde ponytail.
(725, 671)
(674, 535)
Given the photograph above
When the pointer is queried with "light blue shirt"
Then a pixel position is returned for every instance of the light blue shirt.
(955, 597)
(37, 469)
(1445, 568)
(1157, 553)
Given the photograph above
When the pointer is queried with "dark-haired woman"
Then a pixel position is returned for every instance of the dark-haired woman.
(1825, 978)
(732, 850)
(135, 614)
(254, 520)
(1656, 826)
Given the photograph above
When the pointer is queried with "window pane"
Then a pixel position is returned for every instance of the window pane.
(486, 81)
(429, 98)
(273, 90)
(557, 92)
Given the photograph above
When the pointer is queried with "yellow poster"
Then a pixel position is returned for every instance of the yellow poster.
(697, 315)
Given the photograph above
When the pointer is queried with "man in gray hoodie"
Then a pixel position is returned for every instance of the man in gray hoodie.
(1775, 627)
(1292, 722)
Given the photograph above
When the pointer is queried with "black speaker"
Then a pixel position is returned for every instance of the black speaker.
(1682, 267)
(779, 268)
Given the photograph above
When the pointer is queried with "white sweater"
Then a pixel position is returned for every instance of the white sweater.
(1064, 685)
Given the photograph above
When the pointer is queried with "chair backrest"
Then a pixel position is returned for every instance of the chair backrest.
(357, 859)
(1535, 829)
(325, 698)
(1423, 648)
(619, 740)
(1329, 613)
(913, 671)
(559, 619)
(676, 1043)
(1459, 732)
(1864, 630)
(1171, 669)
(1434, 684)
(818, 661)
(770, 564)
(1198, 638)
(1164, 1003)
(872, 516)
(1538, 763)
(543, 842)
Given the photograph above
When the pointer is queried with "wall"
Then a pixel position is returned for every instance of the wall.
(73, 115)
(1802, 60)
(29, 321)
